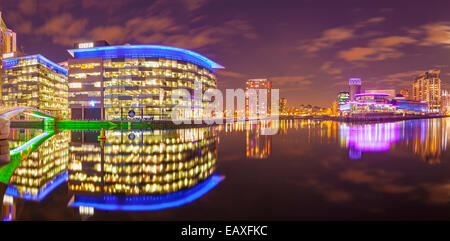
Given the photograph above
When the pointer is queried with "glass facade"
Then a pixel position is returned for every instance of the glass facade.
(34, 81)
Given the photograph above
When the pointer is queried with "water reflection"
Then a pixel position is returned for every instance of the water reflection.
(141, 170)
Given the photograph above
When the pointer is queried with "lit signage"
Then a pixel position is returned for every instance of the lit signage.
(8, 55)
(86, 45)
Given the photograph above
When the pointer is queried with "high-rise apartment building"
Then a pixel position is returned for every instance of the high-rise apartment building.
(35, 81)
(7, 43)
(354, 87)
(257, 85)
(132, 82)
(427, 87)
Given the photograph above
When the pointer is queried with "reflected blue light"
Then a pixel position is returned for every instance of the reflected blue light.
(136, 51)
(148, 202)
(47, 189)
(11, 63)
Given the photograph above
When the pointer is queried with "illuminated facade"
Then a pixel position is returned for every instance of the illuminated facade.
(354, 87)
(405, 92)
(35, 81)
(7, 43)
(258, 84)
(257, 146)
(283, 106)
(390, 92)
(147, 167)
(427, 87)
(135, 82)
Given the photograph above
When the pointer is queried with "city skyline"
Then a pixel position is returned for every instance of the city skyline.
(308, 57)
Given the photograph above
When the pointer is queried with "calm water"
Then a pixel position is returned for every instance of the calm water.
(310, 170)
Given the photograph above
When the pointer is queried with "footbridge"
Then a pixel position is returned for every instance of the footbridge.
(9, 112)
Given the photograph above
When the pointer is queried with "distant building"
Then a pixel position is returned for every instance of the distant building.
(427, 87)
(8, 41)
(8, 45)
(258, 146)
(343, 97)
(354, 87)
(334, 108)
(405, 93)
(258, 84)
(410, 106)
(43, 170)
(136, 82)
(35, 81)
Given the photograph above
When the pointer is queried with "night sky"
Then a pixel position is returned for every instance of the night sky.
(308, 48)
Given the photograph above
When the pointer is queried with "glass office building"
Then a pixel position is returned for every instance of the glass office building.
(35, 81)
(135, 82)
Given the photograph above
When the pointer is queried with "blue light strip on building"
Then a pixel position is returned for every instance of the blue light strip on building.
(135, 51)
(154, 203)
(11, 63)
(11, 190)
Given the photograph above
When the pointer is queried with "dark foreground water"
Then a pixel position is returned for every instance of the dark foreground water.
(310, 170)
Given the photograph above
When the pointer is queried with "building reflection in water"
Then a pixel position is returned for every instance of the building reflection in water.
(141, 170)
(426, 138)
(39, 173)
(368, 138)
